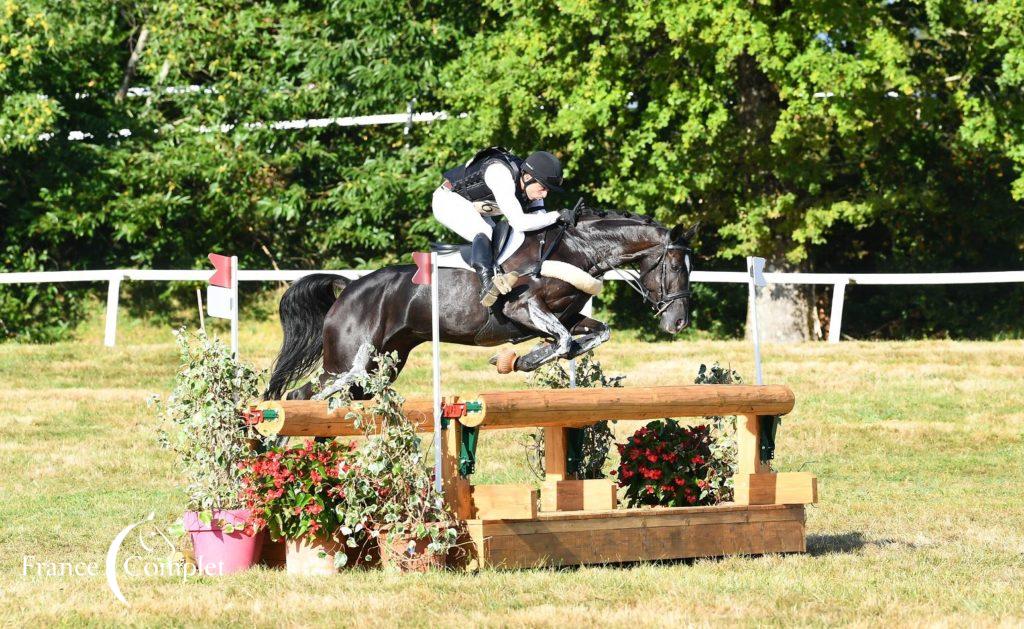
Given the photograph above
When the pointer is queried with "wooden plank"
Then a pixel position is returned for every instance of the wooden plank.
(555, 452)
(457, 490)
(578, 495)
(748, 453)
(786, 488)
(643, 518)
(505, 502)
(587, 544)
(559, 407)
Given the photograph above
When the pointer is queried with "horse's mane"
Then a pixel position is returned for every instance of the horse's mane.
(586, 212)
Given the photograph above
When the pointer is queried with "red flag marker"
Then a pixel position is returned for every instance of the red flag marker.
(422, 261)
(222, 276)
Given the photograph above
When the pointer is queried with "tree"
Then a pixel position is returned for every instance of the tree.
(202, 168)
(819, 134)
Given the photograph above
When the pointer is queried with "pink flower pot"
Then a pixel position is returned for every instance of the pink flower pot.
(217, 552)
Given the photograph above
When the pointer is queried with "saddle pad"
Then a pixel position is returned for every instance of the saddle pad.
(454, 259)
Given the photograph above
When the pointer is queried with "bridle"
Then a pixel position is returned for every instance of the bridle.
(661, 304)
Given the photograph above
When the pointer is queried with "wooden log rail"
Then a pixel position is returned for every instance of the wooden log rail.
(556, 410)
(535, 408)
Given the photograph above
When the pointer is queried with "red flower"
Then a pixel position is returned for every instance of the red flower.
(699, 460)
(653, 458)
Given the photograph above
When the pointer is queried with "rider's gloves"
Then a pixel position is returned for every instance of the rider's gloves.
(567, 218)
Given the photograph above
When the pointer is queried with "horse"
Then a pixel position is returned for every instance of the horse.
(385, 312)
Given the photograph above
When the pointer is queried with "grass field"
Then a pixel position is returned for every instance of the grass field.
(918, 446)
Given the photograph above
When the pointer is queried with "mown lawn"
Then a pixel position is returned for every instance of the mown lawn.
(918, 446)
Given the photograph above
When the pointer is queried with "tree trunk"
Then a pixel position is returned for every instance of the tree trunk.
(784, 311)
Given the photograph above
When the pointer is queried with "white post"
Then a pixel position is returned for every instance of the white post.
(435, 333)
(113, 295)
(835, 322)
(755, 267)
(234, 305)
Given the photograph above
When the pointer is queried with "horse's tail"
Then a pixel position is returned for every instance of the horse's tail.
(303, 309)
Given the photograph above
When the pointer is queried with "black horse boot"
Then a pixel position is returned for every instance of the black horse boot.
(483, 264)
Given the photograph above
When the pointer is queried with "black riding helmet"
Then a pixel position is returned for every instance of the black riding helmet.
(545, 168)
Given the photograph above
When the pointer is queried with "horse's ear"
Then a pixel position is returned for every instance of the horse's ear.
(679, 232)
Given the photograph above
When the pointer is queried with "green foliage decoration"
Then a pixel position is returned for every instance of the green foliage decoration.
(201, 420)
(594, 441)
(392, 489)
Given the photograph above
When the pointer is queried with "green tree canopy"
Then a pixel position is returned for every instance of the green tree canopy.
(840, 136)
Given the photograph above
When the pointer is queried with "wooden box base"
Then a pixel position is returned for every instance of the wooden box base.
(623, 535)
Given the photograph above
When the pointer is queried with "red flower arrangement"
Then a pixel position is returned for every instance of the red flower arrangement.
(666, 464)
(297, 492)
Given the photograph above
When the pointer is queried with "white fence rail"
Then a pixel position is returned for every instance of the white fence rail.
(839, 282)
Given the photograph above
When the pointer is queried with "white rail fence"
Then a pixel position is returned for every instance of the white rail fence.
(839, 282)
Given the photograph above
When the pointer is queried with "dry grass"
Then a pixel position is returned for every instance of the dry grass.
(918, 447)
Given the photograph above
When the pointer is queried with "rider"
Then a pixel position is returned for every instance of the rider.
(496, 182)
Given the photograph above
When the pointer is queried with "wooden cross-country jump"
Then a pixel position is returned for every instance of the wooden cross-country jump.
(574, 522)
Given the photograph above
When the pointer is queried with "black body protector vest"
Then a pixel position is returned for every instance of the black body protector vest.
(468, 180)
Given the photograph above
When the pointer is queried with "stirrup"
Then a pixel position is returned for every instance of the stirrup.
(488, 298)
(505, 281)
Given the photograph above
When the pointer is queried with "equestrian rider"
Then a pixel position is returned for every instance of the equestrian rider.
(496, 182)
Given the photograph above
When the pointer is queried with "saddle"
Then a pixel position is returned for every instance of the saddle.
(499, 238)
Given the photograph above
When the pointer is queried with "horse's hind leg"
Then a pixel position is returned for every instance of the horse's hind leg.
(337, 381)
(305, 392)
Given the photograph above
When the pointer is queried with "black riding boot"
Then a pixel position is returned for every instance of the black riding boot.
(483, 264)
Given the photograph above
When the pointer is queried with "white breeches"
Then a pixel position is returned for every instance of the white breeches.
(459, 215)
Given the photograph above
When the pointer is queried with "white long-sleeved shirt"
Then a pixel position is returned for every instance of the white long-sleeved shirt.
(499, 179)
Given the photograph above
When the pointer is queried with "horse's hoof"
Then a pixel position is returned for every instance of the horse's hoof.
(505, 360)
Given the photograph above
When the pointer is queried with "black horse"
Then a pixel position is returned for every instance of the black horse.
(385, 312)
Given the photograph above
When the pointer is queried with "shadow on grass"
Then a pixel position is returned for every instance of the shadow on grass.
(818, 545)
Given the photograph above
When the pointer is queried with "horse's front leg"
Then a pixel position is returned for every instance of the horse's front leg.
(594, 333)
(534, 314)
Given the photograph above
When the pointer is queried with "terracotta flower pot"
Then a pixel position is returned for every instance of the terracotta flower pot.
(217, 552)
(313, 556)
(408, 553)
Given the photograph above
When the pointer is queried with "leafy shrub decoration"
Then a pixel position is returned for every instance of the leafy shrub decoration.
(201, 420)
(392, 487)
(722, 464)
(595, 439)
